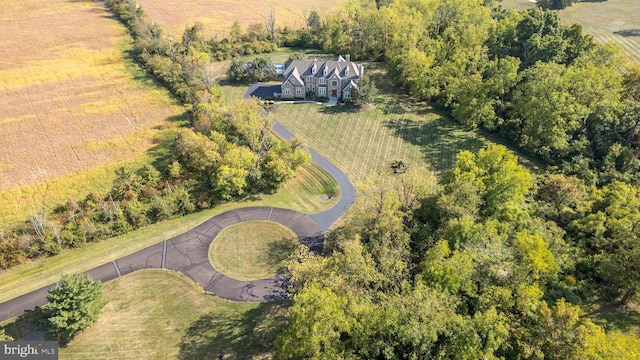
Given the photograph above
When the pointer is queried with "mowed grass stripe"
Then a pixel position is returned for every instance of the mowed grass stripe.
(161, 314)
(633, 47)
(604, 19)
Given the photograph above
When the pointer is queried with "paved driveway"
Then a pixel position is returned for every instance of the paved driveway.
(262, 91)
(188, 253)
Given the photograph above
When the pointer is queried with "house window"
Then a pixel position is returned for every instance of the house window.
(322, 91)
(322, 81)
(310, 79)
(287, 91)
(324, 71)
(298, 91)
(313, 68)
(347, 95)
(334, 83)
(346, 71)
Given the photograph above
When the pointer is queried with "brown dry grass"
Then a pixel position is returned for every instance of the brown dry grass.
(71, 103)
(218, 16)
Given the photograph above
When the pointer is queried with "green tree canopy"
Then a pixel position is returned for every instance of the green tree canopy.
(73, 305)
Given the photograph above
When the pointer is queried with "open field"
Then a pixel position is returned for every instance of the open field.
(612, 20)
(518, 4)
(363, 143)
(301, 193)
(252, 250)
(161, 314)
(72, 104)
(218, 16)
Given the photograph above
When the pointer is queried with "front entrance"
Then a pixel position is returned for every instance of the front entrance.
(334, 92)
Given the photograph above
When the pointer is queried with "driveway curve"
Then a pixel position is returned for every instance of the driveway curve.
(188, 253)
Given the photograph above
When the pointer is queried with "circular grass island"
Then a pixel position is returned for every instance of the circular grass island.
(252, 250)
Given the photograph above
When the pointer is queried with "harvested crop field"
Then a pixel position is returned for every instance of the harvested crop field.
(71, 100)
(217, 16)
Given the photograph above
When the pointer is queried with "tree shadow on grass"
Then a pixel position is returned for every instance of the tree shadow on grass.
(28, 323)
(616, 316)
(236, 335)
(440, 140)
(339, 109)
(279, 251)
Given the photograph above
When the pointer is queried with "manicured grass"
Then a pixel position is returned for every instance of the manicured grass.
(616, 317)
(252, 250)
(363, 143)
(161, 314)
(302, 193)
(518, 4)
(613, 20)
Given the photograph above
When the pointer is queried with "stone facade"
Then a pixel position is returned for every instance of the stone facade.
(331, 78)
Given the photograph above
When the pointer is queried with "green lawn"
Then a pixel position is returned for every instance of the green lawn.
(303, 193)
(252, 250)
(363, 143)
(161, 314)
(613, 20)
(518, 4)
(614, 316)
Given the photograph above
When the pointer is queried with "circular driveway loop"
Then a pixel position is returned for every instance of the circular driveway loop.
(188, 253)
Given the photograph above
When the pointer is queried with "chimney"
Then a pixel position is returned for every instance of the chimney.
(347, 57)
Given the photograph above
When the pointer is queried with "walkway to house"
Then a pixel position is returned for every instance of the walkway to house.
(188, 253)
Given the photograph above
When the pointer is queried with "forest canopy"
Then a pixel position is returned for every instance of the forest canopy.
(548, 88)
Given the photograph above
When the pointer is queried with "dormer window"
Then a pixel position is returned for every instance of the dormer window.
(313, 68)
(324, 71)
(346, 71)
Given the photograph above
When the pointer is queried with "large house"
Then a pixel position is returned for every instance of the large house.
(331, 78)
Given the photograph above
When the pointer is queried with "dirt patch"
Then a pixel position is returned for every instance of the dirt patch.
(325, 197)
(366, 106)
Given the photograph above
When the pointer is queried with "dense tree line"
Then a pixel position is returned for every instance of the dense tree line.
(548, 88)
(472, 271)
(227, 153)
(259, 69)
(183, 64)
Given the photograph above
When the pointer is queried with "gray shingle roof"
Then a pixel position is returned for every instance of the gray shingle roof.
(303, 68)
